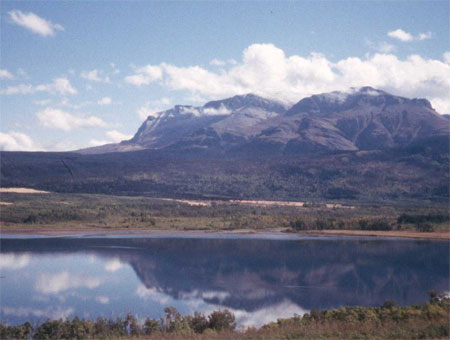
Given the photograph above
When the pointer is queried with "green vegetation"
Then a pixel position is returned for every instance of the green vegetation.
(417, 174)
(422, 223)
(389, 321)
(90, 211)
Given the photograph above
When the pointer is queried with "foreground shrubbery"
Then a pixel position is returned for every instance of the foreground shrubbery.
(130, 326)
(431, 320)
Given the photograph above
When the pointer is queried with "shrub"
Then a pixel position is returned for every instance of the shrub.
(222, 320)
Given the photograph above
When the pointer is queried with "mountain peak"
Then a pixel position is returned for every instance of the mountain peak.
(248, 100)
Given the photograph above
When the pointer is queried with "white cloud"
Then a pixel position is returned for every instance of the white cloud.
(58, 119)
(17, 141)
(266, 71)
(145, 111)
(5, 74)
(112, 136)
(424, 36)
(55, 283)
(51, 312)
(446, 57)
(42, 102)
(58, 85)
(102, 299)
(401, 35)
(217, 62)
(105, 101)
(154, 294)
(113, 265)
(117, 136)
(222, 110)
(152, 108)
(145, 75)
(98, 142)
(34, 23)
(18, 89)
(12, 261)
(94, 75)
(404, 36)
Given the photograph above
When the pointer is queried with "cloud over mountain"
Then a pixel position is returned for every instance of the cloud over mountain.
(267, 71)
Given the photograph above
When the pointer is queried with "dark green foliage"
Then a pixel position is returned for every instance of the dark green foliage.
(322, 223)
(198, 323)
(222, 320)
(431, 217)
(389, 304)
(425, 227)
(366, 176)
(377, 224)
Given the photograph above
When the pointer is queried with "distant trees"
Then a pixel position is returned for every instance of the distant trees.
(322, 223)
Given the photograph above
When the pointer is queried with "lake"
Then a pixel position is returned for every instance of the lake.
(259, 278)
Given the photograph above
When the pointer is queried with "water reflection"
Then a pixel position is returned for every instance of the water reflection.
(259, 279)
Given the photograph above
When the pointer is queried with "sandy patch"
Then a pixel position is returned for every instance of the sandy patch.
(23, 191)
(269, 203)
(189, 202)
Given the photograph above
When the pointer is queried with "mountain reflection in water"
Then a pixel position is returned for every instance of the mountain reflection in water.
(260, 280)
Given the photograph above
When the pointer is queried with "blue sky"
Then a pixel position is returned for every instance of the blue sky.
(82, 73)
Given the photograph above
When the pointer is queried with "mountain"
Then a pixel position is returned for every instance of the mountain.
(362, 144)
(359, 119)
(236, 115)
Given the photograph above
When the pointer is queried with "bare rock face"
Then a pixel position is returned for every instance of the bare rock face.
(359, 119)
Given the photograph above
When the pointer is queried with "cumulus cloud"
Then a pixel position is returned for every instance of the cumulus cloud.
(404, 36)
(117, 136)
(265, 70)
(55, 283)
(112, 136)
(5, 74)
(113, 265)
(105, 101)
(13, 261)
(94, 75)
(145, 75)
(34, 23)
(58, 119)
(57, 86)
(17, 141)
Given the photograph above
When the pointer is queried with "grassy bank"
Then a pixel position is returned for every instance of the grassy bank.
(428, 321)
(90, 212)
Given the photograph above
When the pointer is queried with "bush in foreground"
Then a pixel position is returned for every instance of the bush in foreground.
(389, 321)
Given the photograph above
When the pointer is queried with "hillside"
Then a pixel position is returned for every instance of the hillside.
(360, 119)
(362, 145)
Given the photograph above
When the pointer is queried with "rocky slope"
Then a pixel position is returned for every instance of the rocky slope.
(359, 119)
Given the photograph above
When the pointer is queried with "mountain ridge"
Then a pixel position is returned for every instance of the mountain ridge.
(358, 119)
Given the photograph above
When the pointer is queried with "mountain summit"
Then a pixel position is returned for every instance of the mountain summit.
(357, 119)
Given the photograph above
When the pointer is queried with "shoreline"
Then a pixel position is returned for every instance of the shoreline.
(91, 231)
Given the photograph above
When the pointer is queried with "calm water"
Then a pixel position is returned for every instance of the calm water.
(258, 278)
